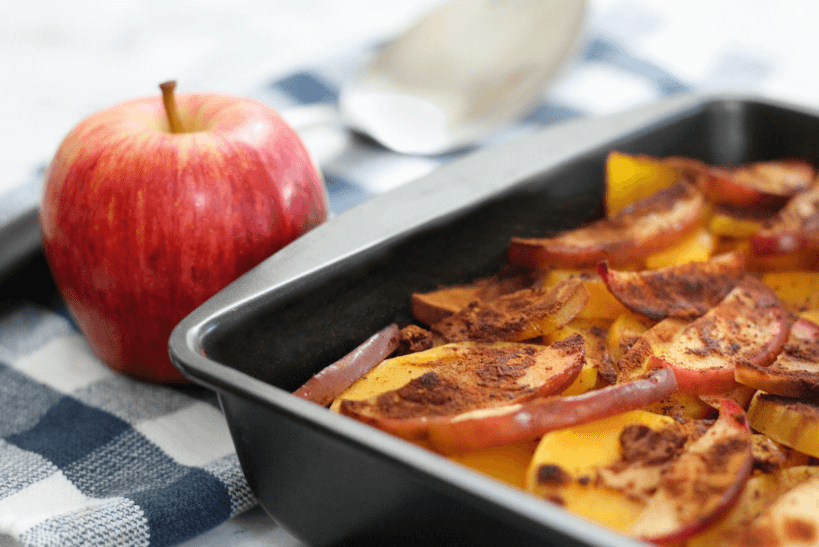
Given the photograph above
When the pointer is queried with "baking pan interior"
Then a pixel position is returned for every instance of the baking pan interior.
(284, 338)
(333, 481)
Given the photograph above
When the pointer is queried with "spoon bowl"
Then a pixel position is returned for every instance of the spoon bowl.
(461, 73)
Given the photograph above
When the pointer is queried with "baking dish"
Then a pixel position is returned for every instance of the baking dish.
(332, 481)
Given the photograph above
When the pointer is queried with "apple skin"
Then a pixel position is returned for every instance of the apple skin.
(327, 384)
(140, 225)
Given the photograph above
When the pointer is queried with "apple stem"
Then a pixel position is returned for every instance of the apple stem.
(170, 106)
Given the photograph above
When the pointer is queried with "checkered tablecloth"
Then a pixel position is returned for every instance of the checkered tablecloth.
(89, 457)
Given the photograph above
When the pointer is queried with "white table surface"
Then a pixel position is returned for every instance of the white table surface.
(64, 60)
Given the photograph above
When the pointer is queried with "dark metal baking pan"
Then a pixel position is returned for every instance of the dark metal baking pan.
(331, 480)
(19, 242)
(24, 275)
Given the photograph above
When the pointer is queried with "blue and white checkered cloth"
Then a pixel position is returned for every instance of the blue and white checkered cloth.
(89, 457)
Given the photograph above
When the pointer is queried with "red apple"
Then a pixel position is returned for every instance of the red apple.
(148, 211)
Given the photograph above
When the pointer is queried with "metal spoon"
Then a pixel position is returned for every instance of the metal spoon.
(461, 73)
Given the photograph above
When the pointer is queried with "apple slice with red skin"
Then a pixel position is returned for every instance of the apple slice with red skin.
(760, 185)
(790, 521)
(750, 324)
(642, 228)
(689, 168)
(515, 317)
(329, 382)
(686, 291)
(795, 228)
(741, 395)
(741, 525)
(795, 372)
(141, 225)
(527, 421)
(484, 376)
(702, 484)
(430, 307)
(635, 362)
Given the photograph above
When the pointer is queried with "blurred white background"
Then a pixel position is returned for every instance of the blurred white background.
(64, 60)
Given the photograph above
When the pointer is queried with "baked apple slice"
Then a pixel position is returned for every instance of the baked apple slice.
(741, 395)
(738, 528)
(702, 484)
(598, 362)
(795, 228)
(792, 422)
(329, 382)
(597, 470)
(637, 360)
(431, 307)
(654, 341)
(792, 520)
(395, 372)
(480, 377)
(738, 222)
(689, 168)
(624, 333)
(530, 420)
(626, 238)
(686, 291)
(602, 304)
(795, 372)
(760, 185)
(771, 456)
(750, 325)
(515, 317)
